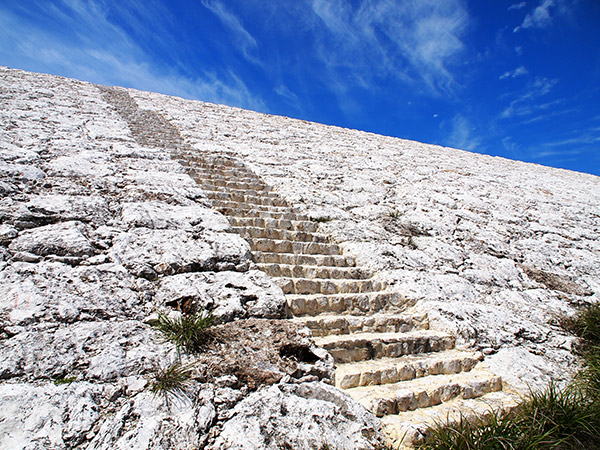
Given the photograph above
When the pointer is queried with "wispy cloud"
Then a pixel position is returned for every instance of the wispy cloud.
(417, 42)
(462, 134)
(87, 44)
(527, 102)
(245, 42)
(543, 15)
(516, 6)
(519, 71)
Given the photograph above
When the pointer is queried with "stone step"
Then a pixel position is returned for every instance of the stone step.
(250, 206)
(290, 225)
(367, 346)
(394, 370)
(228, 191)
(273, 233)
(224, 171)
(285, 246)
(327, 286)
(351, 304)
(215, 178)
(409, 429)
(390, 399)
(326, 325)
(288, 214)
(245, 199)
(206, 183)
(205, 161)
(304, 260)
(314, 272)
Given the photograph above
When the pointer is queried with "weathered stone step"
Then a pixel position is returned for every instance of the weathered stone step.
(273, 233)
(206, 161)
(291, 214)
(289, 225)
(206, 183)
(351, 304)
(394, 370)
(424, 392)
(307, 260)
(250, 206)
(327, 286)
(285, 246)
(229, 191)
(224, 171)
(246, 199)
(315, 272)
(288, 214)
(366, 346)
(326, 325)
(216, 178)
(409, 429)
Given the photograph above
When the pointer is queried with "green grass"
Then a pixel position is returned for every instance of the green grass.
(188, 331)
(65, 380)
(171, 381)
(393, 213)
(565, 418)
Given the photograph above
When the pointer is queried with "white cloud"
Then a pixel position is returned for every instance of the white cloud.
(244, 40)
(527, 102)
(417, 42)
(516, 6)
(461, 135)
(519, 71)
(543, 15)
(87, 45)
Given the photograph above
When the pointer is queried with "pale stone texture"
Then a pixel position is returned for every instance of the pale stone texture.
(494, 250)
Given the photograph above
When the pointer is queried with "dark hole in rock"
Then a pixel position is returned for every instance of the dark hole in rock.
(301, 353)
(185, 304)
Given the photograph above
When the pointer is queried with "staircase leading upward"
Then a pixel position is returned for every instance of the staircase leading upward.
(386, 356)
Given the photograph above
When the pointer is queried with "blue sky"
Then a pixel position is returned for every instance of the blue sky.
(519, 79)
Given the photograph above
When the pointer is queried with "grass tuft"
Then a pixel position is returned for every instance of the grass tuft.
(556, 418)
(188, 332)
(66, 380)
(171, 381)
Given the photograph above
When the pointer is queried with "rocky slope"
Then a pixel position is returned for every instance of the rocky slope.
(100, 229)
(493, 250)
(111, 210)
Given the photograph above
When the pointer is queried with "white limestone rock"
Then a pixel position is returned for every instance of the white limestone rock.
(228, 295)
(160, 215)
(62, 239)
(101, 351)
(148, 252)
(55, 292)
(301, 416)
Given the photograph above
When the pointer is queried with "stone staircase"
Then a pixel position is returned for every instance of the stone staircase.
(386, 356)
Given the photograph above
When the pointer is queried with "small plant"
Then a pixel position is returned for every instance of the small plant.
(171, 381)
(586, 324)
(66, 380)
(188, 331)
(321, 219)
(393, 213)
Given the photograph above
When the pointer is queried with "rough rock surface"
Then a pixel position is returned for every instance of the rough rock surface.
(99, 229)
(495, 251)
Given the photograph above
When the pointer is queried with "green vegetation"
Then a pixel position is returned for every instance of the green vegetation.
(393, 213)
(320, 219)
(66, 380)
(171, 381)
(556, 418)
(188, 331)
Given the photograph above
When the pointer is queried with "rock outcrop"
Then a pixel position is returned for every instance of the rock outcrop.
(423, 272)
(100, 229)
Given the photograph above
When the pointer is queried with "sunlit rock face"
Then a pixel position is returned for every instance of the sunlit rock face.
(496, 251)
(100, 227)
